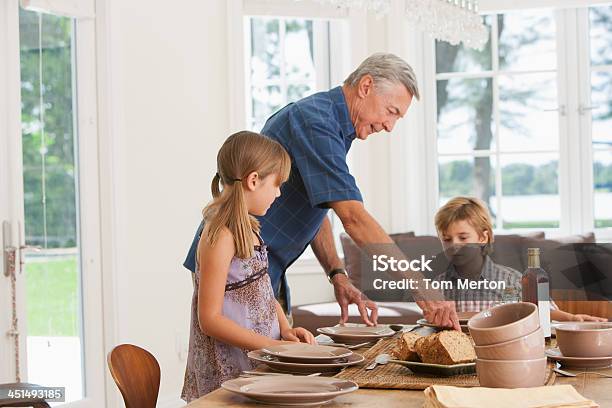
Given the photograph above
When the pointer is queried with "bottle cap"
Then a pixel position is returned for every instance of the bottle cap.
(533, 251)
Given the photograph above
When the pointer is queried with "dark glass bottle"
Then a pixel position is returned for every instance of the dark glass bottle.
(536, 290)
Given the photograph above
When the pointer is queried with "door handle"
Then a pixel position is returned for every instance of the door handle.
(26, 248)
(582, 109)
(561, 109)
(9, 252)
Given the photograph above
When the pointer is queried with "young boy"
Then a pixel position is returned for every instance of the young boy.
(466, 232)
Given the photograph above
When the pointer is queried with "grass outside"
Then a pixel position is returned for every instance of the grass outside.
(603, 223)
(52, 296)
(531, 224)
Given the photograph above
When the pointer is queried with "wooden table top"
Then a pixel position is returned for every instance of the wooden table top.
(593, 387)
(590, 386)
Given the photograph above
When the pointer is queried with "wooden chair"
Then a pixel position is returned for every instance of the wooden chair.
(137, 375)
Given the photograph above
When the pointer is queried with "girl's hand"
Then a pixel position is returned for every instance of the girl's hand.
(298, 334)
(587, 318)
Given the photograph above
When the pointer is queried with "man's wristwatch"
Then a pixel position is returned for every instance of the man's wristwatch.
(335, 272)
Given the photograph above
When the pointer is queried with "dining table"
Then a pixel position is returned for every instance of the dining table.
(592, 386)
(596, 388)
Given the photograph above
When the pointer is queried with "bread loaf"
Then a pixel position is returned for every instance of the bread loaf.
(446, 347)
(404, 349)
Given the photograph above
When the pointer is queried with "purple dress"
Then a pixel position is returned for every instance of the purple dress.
(249, 301)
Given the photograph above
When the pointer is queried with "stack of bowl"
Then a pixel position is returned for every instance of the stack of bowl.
(509, 346)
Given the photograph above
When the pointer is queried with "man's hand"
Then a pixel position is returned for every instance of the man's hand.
(587, 318)
(440, 313)
(346, 294)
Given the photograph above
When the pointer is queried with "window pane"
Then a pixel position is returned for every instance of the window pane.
(525, 123)
(282, 64)
(601, 40)
(530, 191)
(265, 49)
(527, 41)
(467, 176)
(298, 91)
(266, 100)
(465, 115)
(299, 60)
(602, 180)
(50, 172)
(458, 58)
(601, 99)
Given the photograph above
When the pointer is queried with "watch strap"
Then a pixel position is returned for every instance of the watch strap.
(335, 272)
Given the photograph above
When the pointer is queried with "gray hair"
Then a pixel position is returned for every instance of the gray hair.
(386, 69)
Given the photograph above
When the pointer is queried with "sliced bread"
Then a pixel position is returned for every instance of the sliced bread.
(446, 347)
(404, 349)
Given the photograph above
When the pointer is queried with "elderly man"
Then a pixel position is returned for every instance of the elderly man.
(318, 131)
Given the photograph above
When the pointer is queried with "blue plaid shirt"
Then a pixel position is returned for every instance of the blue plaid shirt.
(317, 132)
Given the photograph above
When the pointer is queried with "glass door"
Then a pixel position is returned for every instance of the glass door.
(54, 334)
(50, 185)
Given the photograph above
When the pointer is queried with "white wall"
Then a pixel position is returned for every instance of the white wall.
(167, 78)
(165, 82)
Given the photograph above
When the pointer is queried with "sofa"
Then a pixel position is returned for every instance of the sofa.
(509, 250)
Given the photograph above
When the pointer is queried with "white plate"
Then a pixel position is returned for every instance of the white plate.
(305, 368)
(356, 333)
(307, 353)
(290, 390)
(578, 362)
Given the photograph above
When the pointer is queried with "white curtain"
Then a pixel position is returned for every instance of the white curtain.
(67, 8)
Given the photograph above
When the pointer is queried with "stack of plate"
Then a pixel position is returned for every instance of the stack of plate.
(355, 334)
(301, 358)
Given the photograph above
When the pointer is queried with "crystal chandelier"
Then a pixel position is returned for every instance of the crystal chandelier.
(453, 21)
(380, 7)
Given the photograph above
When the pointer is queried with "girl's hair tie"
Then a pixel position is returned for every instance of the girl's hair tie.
(221, 178)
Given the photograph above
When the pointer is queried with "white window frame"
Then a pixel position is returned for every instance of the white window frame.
(341, 60)
(85, 92)
(419, 141)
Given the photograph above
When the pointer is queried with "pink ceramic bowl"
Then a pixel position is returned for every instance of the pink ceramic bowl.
(528, 347)
(503, 323)
(585, 339)
(511, 373)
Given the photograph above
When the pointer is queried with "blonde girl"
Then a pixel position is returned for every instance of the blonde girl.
(233, 305)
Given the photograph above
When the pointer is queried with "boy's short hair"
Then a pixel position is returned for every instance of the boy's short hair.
(470, 209)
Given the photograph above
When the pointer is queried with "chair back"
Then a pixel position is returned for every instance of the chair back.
(137, 375)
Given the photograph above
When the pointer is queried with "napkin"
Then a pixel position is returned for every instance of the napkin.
(443, 396)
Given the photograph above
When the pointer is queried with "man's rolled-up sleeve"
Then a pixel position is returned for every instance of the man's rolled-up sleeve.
(319, 153)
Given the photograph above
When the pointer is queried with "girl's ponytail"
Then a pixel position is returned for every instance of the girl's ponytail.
(214, 187)
(240, 222)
